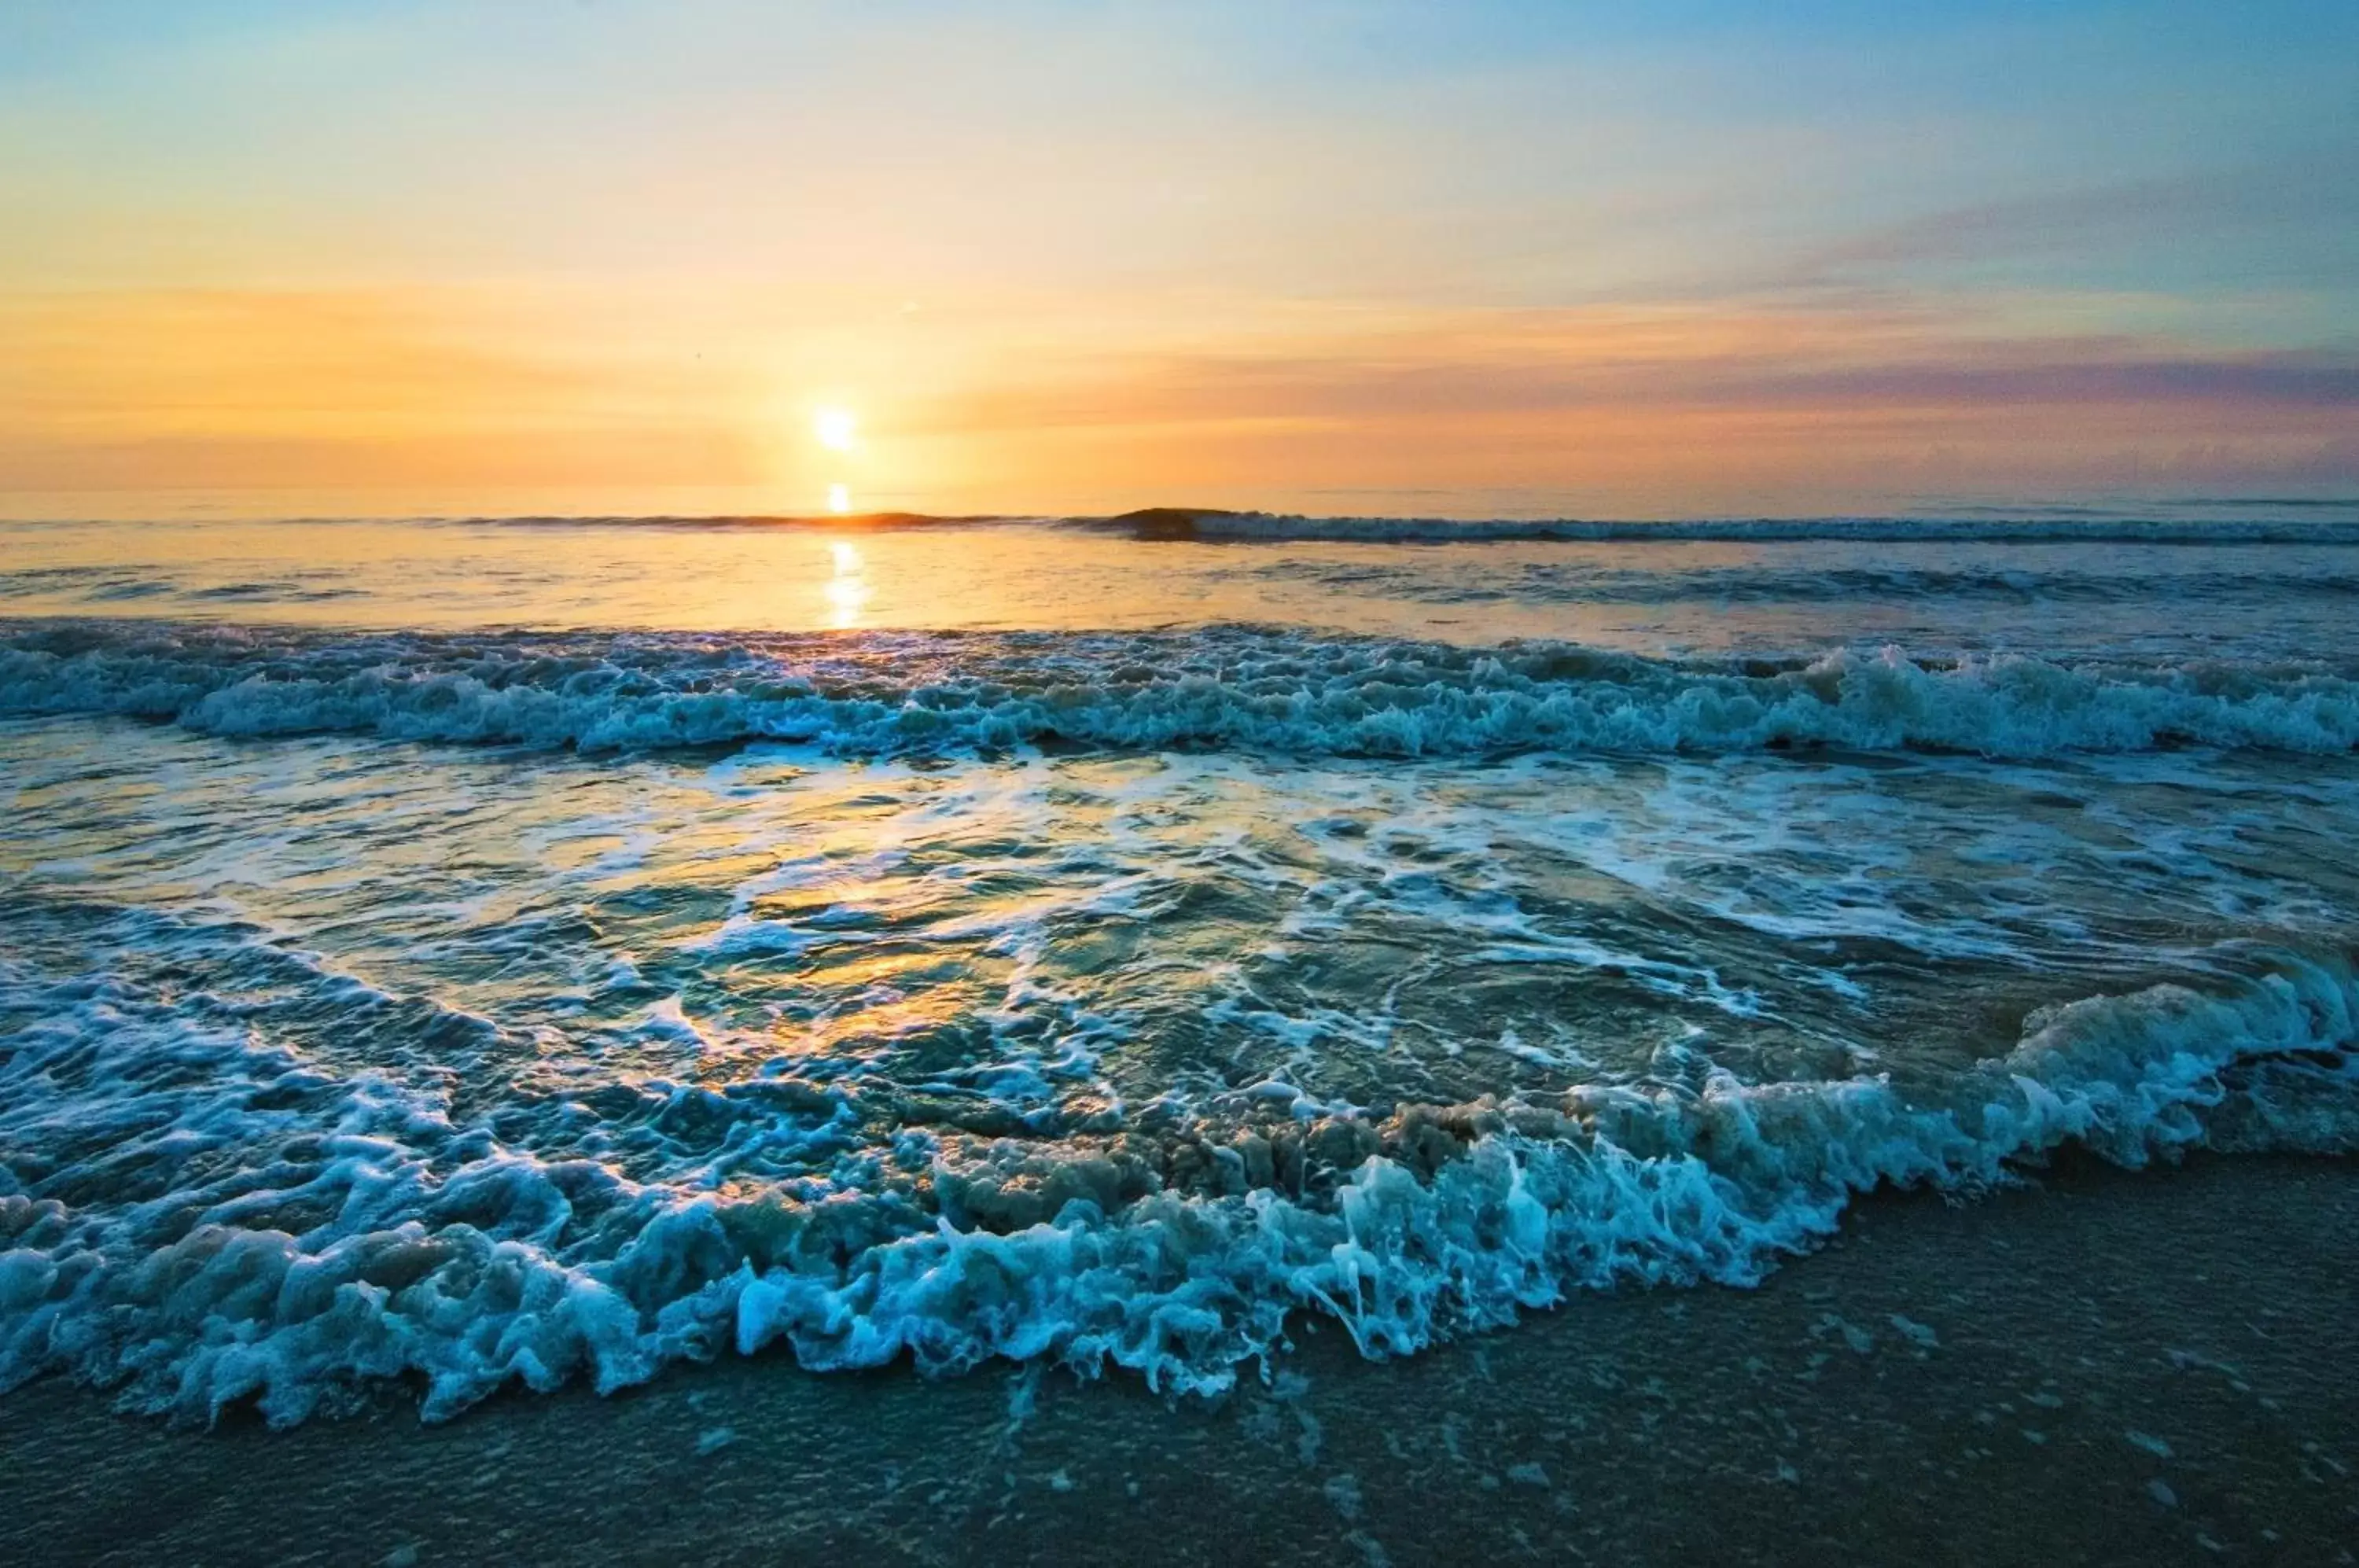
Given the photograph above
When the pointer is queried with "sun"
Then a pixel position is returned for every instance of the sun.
(837, 429)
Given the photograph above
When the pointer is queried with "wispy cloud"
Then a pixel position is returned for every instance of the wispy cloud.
(2301, 206)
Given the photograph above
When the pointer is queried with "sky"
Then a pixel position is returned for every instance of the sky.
(1476, 258)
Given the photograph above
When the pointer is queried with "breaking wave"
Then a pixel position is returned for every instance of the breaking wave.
(217, 1216)
(1256, 689)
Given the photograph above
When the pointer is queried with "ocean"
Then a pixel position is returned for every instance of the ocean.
(447, 956)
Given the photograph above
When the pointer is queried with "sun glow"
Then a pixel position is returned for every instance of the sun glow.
(836, 428)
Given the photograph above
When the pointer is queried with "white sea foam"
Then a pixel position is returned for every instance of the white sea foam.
(1250, 689)
(212, 1218)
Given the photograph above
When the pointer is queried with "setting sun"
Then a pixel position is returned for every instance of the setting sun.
(837, 429)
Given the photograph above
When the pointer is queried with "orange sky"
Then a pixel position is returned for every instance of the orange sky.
(330, 259)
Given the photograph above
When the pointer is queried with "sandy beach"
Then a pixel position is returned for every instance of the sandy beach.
(2108, 1368)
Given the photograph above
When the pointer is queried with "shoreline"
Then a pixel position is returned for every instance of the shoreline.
(2107, 1366)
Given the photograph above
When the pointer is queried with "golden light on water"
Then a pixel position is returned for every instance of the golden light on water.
(839, 498)
(846, 590)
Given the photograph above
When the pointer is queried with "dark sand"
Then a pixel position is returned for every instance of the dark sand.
(2111, 1368)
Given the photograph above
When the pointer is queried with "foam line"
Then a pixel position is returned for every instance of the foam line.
(1253, 689)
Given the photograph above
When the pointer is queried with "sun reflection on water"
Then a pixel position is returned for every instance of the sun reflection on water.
(847, 589)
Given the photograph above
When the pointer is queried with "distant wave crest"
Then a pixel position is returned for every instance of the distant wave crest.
(2269, 524)
(1180, 523)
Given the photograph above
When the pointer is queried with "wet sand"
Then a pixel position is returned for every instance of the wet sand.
(2109, 1367)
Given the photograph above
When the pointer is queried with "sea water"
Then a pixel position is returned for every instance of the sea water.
(479, 951)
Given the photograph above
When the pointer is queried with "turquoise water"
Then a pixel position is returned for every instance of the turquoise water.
(483, 951)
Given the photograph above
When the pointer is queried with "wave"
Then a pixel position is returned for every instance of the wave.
(1265, 689)
(1757, 583)
(1181, 523)
(212, 1218)
(1214, 525)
